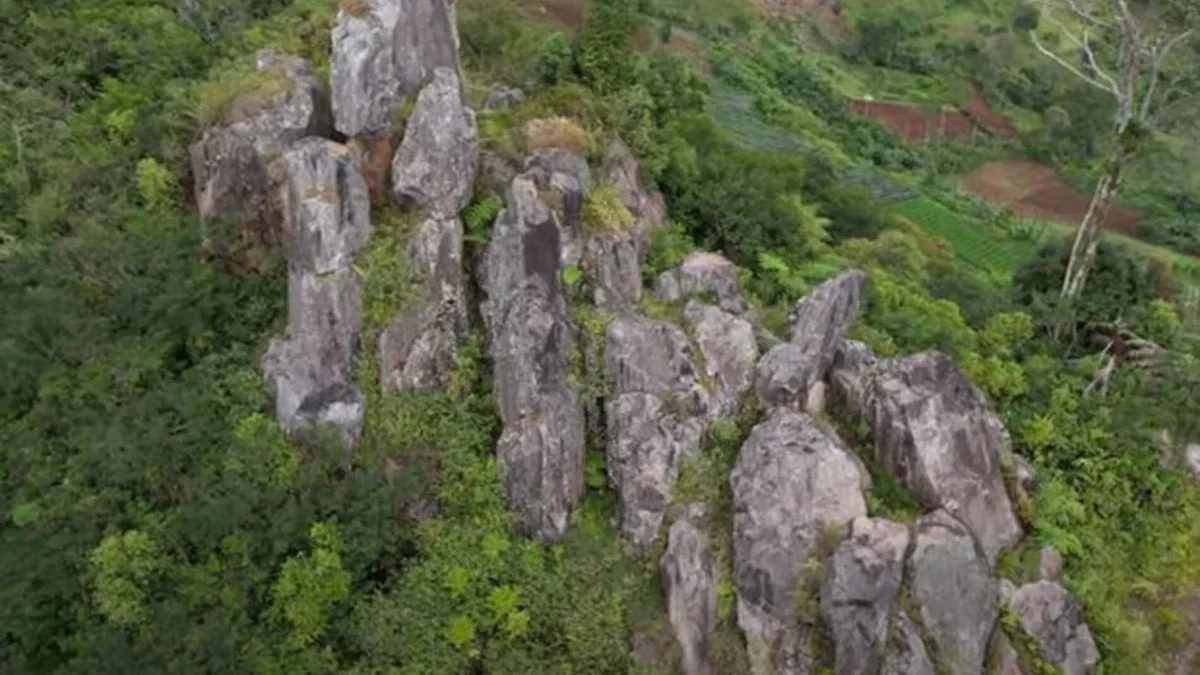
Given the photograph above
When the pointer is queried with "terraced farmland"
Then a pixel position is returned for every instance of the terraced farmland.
(970, 241)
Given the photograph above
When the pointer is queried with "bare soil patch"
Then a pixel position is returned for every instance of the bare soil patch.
(825, 10)
(977, 107)
(1037, 191)
(914, 124)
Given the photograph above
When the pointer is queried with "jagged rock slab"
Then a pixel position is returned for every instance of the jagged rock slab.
(621, 169)
(950, 580)
(655, 420)
(362, 72)
(793, 486)
(231, 160)
(700, 274)
(437, 161)
(864, 575)
(1055, 620)
(614, 270)
(564, 180)
(906, 652)
(504, 98)
(730, 351)
(690, 575)
(416, 351)
(938, 435)
(541, 448)
(790, 370)
(310, 368)
(1004, 659)
(425, 39)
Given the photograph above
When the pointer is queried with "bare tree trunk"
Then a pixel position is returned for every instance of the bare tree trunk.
(1087, 235)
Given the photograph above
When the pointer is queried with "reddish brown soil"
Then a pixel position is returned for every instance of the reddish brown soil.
(1037, 191)
(991, 120)
(825, 10)
(913, 124)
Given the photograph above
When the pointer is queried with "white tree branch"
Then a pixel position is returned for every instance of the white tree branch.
(1065, 64)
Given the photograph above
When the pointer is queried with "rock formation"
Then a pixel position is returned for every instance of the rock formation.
(791, 370)
(950, 581)
(793, 487)
(703, 274)
(906, 652)
(425, 39)
(435, 166)
(729, 352)
(865, 573)
(620, 169)
(504, 98)
(689, 576)
(310, 369)
(541, 448)
(614, 269)
(231, 160)
(362, 70)
(656, 420)
(1055, 620)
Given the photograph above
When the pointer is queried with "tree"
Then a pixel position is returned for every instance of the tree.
(1124, 53)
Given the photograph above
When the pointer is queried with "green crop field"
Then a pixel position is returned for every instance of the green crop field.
(970, 241)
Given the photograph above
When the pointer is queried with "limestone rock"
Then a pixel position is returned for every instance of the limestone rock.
(1050, 563)
(906, 653)
(1026, 475)
(614, 272)
(541, 448)
(700, 274)
(231, 159)
(655, 420)
(327, 206)
(729, 350)
(950, 580)
(646, 204)
(689, 575)
(1004, 659)
(436, 163)
(939, 436)
(864, 575)
(425, 39)
(793, 487)
(416, 351)
(1192, 458)
(791, 369)
(362, 69)
(1055, 619)
(504, 98)
(564, 180)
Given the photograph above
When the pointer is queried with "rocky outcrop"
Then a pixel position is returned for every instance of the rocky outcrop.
(425, 39)
(655, 420)
(614, 269)
(416, 351)
(950, 580)
(864, 575)
(729, 352)
(504, 98)
(621, 170)
(703, 274)
(541, 448)
(1191, 455)
(906, 652)
(689, 575)
(310, 369)
(790, 370)
(564, 180)
(436, 164)
(793, 487)
(231, 160)
(362, 69)
(1004, 658)
(1055, 620)
(939, 436)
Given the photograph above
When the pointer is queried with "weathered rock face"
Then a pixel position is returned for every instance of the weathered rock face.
(1191, 455)
(655, 420)
(1055, 619)
(436, 163)
(230, 161)
(1004, 659)
(310, 368)
(689, 576)
(564, 180)
(939, 437)
(541, 448)
(729, 350)
(700, 274)
(792, 486)
(425, 39)
(1050, 563)
(864, 575)
(362, 70)
(791, 369)
(504, 98)
(906, 653)
(416, 351)
(950, 580)
(645, 204)
(614, 271)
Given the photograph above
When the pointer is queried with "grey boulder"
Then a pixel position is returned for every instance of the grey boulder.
(327, 207)
(655, 420)
(425, 39)
(689, 575)
(614, 271)
(621, 169)
(504, 98)
(416, 350)
(1055, 620)
(792, 486)
(729, 349)
(791, 369)
(864, 575)
(703, 274)
(437, 161)
(564, 180)
(362, 69)
(1191, 455)
(950, 581)
(906, 652)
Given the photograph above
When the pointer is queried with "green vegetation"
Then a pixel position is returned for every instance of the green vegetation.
(970, 240)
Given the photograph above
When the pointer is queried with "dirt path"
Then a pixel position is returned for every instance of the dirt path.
(1037, 191)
